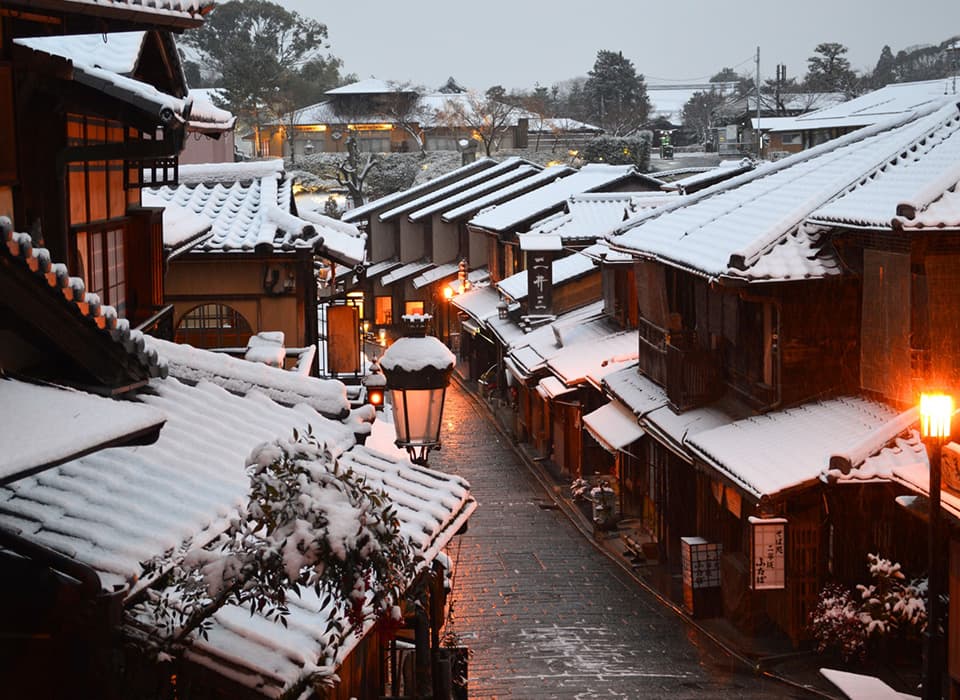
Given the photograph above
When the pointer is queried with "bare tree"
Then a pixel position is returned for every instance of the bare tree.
(405, 108)
(487, 117)
(352, 171)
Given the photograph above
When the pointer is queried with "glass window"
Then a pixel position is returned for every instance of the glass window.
(101, 263)
(383, 311)
(213, 326)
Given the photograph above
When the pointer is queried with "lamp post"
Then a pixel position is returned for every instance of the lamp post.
(417, 368)
(376, 385)
(935, 413)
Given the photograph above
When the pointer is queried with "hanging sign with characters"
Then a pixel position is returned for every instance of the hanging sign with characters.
(540, 283)
(768, 544)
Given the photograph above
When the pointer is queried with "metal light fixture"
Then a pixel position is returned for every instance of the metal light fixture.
(417, 368)
(936, 411)
(376, 385)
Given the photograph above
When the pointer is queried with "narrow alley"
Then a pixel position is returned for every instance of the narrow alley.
(545, 613)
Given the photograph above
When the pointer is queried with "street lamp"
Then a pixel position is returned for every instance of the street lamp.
(418, 369)
(375, 384)
(936, 411)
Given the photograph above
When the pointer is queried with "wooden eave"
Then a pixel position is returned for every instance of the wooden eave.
(91, 18)
(42, 312)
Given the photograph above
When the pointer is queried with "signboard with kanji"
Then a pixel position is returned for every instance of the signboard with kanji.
(540, 283)
(768, 553)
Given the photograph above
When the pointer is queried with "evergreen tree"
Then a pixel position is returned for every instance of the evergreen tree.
(617, 94)
(886, 69)
(828, 70)
(266, 57)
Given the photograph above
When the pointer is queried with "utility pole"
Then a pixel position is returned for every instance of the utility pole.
(759, 138)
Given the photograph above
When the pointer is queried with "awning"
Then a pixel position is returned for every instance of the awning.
(551, 388)
(381, 267)
(408, 270)
(517, 373)
(437, 273)
(613, 425)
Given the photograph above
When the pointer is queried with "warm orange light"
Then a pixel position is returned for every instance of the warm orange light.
(375, 397)
(448, 292)
(311, 127)
(936, 410)
(369, 127)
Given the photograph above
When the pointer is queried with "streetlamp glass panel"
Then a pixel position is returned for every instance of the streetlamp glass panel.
(417, 414)
(936, 411)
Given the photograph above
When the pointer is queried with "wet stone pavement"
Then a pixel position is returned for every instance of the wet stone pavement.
(546, 614)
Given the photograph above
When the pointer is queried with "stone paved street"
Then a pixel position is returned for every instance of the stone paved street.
(549, 616)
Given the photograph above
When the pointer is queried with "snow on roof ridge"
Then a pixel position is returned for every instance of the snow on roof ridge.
(439, 181)
(192, 365)
(213, 173)
(745, 258)
(480, 189)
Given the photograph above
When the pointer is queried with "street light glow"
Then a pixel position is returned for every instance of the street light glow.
(935, 413)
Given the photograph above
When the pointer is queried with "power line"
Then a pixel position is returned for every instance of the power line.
(748, 59)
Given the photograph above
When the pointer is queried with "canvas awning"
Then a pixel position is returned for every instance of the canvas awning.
(614, 426)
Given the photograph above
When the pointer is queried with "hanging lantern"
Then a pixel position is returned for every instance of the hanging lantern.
(375, 384)
(417, 369)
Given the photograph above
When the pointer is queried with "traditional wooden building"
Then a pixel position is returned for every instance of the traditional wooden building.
(93, 110)
(241, 261)
(760, 362)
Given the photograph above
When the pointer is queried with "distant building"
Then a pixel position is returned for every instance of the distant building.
(384, 116)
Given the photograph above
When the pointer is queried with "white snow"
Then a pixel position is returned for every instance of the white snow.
(613, 425)
(46, 424)
(414, 354)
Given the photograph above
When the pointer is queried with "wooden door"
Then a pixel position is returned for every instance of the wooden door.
(803, 571)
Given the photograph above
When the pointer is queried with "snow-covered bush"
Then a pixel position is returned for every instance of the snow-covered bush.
(619, 150)
(397, 172)
(307, 523)
(888, 605)
(836, 625)
(886, 608)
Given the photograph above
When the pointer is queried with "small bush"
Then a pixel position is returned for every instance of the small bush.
(620, 150)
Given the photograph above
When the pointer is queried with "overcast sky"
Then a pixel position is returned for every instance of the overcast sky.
(517, 43)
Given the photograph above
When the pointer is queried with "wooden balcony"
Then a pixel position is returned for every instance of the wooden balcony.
(652, 359)
(693, 372)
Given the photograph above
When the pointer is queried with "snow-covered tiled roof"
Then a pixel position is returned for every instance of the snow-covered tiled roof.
(613, 425)
(592, 215)
(248, 208)
(404, 271)
(453, 188)
(749, 227)
(189, 364)
(480, 303)
(19, 247)
(726, 169)
(914, 190)
(773, 452)
(468, 195)
(531, 350)
(437, 273)
(635, 391)
(567, 268)
(367, 86)
(381, 267)
(183, 12)
(534, 181)
(872, 108)
(80, 422)
(107, 62)
(392, 200)
(508, 215)
(595, 357)
(114, 509)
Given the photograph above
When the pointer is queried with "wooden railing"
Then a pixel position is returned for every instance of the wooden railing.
(160, 324)
(652, 358)
(693, 372)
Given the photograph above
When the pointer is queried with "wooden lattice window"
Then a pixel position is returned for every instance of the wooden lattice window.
(102, 264)
(214, 326)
